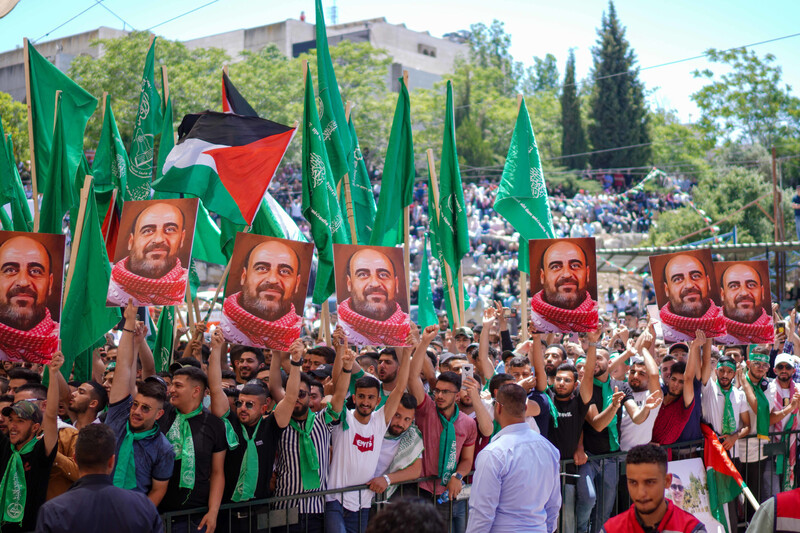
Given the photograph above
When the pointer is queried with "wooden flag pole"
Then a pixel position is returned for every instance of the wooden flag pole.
(111, 206)
(523, 280)
(348, 198)
(190, 318)
(165, 80)
(447, 272)
(30, 136)
(103, 108)
(407, 229)
(325, 323)
(76, 241)
(221, 283)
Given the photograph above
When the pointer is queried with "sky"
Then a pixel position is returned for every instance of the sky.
(659, 32)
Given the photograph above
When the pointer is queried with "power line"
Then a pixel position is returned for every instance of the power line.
(68, 21)
(125, 22)
(183, 14)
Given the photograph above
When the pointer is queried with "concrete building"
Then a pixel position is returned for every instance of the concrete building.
(427, 58)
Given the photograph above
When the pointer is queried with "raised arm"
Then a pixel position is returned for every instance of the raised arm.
(390, 408)
(588, 369)
(482, 417)
(283, 411)
(599, 420)
(415, 386)
(146, 357)
(50, 418)
(485, 367)
(219, 402)
(691, 367)
(623, 357)
(536, 357)
(275, 378)
(121, 386)
(706, 368)
(345, 359)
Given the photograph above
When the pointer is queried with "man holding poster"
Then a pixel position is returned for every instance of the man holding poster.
(369, 311)
(28, 331)
(564, 301)
(745, 303)
(155, 270)
(262, 313)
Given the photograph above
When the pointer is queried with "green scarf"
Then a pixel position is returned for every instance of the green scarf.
(552, 406)
(495, 427)
(782, 460)
(248, 472)
(447, 446)
(728, 420)
(180, 436)
(613, 431)
(309, 462)
(230, 433)
(13, 486)
(762, 416)
(125, 472)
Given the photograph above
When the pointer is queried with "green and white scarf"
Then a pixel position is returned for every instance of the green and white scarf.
(180, 436)
(448, 452)
(13, 487)
(762, 414)
(125, 472)
(613, 431)
(248, 471)
(408, 450)
(309, 461)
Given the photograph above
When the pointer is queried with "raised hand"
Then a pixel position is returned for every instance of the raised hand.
(412, 339)
(297, 350)
(699, 337)
(616, 398)
(339, 338)
(130, 311)
(596, 335)
(56, 362)
(217, 339)
(489, 316)
(348, 359)
(654, 400)
(502, 321)
(429, 333)
(199, 328)
(471, 386)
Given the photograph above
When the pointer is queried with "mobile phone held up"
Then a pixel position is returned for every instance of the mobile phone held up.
(467, 371)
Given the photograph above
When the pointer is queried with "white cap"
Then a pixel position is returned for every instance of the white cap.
(785, 358)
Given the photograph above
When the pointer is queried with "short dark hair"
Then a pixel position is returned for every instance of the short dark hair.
(368, 382)
(370, 361)
(325, 351)
(497, 380)
(153, 389)
(318, 385)
(451, 377)
(253, 389)
(389, 351)
(228, 374)
(99, 393)
(667, 358)
(194, 374)
(6, 398)
(96, 444)
(678, 368)
(560, 348)
(30, 376)
(304, 378)
(513, 398)
(408, 514)
(568, 367)
(38, 390)
(408, 400)
(647, 454)
(185, 362)
(518, 361)
(238, 350)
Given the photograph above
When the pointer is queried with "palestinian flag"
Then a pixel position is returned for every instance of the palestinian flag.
(232, 99)
(110, 226)
(723, 480)
(226, 160)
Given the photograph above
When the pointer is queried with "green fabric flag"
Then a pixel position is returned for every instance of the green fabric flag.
(82, 368)
(320, 204)
(58, 196)
(397, 182)
(426, 312)
(110, 166)
(5, 220)
(85, 317)
(266, 223)
(522, 196)
(364, 207)
(162, 351)
(145, 128)
(167, 140)
(11, 190)
(724, 481)
(77, 107)
(331, 116)
(207, 237)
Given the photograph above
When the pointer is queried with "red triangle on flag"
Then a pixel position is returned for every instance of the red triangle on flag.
(246, 170)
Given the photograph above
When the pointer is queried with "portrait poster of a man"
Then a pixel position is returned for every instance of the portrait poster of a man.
(31, 274)
(563, 285)
(266, 291)
(371, 293)
(154, 248)
(746, 302)
(688, 299)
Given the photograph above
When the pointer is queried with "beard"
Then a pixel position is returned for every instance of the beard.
(22, 318)
(690, 310)
(746, 316)
(396, 431)
(637, 388)
(269, 310)
(550, 370)
(373, 310)
(298, 412)
(564, 300)
(139, 264)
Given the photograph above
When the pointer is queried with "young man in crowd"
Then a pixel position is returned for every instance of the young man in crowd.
(247, 362)
(643, 381)
(725, 406)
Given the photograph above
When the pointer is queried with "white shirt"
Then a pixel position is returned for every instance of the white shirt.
(634, 434)
(531, 421)
(713, 404)
(354, 458)
(388, 450)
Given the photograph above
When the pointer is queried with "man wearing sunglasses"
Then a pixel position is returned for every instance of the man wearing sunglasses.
(252, 448)
(781, 393)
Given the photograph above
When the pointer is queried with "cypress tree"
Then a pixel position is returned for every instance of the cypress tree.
(618, 111)
(573, 135)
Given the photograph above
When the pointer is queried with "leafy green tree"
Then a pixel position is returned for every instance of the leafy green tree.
(542, 76)
(618, 112)
(489, 47)
(573, 135)
(15, 121)
(677, 147)
(749, 102)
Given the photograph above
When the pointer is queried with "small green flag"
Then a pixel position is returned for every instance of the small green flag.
(85, 317)
(206, 245)
(397, 183)
(167, 140)
(426, 312)
(11, 190)
(110, 165)
(58, 196)
(320, 204)
(364, 207)
(162, 351)
(145, 128)
(522, 196)
(77, 107)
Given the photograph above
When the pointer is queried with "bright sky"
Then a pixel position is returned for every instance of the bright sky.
(659, 32)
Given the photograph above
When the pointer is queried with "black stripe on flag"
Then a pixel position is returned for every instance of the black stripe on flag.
(235, 99)
(227, 129)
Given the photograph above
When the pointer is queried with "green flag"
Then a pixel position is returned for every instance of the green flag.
(167, 141)
(331, 116)
(426, 312)
(206, 245)
(522, 196)
(5, 220)
(77, 107)
(145, 128)
(265, 223)
(110, 166)
(162, 351)
(11, 190)
(82, 368)
(85, 317)
(58, 196)
(397, 183)
(361, 190)
(320, 204)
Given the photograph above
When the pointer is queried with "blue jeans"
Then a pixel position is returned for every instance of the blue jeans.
(797, 225)
(591, 491)
(340, 520)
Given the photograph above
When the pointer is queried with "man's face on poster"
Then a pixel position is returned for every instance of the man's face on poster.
(564, 275)
(270, 280)
(25, 282)
(686, 285)
(372, 283)
(742, 294)
(155, 241)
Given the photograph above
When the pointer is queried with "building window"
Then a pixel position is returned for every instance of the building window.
(426, 50)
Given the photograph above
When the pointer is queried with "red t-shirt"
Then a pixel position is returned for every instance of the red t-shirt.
(428, 422)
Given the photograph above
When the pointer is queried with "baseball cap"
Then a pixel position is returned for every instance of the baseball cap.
(24, 409)
(679, 346)
(322, 372)
(785, 358)
(463, 331)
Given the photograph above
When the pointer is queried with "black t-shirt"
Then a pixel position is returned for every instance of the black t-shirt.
(37, 466)
(269, 433)
(208, 436)
(596, 442)
(796, 200)
(571, 413)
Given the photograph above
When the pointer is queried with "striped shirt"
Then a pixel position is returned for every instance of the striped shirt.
(287, 466)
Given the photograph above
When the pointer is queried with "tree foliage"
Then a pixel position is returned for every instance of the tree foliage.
(542, 76)
(573, 136)
(15, 122)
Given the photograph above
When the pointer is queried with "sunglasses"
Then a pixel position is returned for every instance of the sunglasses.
(679, 488)
(239, 403)
(784, 367)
